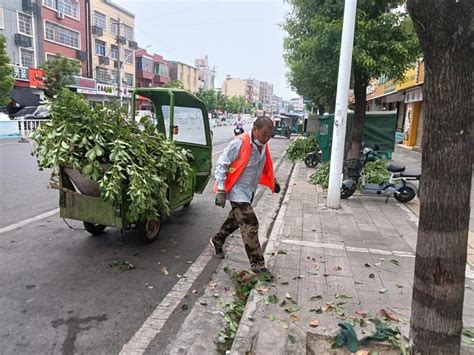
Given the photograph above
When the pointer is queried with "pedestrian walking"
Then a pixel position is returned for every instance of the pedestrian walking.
(243, 165)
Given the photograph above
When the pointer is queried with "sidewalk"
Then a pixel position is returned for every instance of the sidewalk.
(330, 264)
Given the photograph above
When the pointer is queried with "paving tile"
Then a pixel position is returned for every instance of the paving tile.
(308, 269)
(362, 281)
(341, 285)
(316, 253)
(291, 259)
(367, 227)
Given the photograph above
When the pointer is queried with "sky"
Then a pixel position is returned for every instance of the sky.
(242, 38)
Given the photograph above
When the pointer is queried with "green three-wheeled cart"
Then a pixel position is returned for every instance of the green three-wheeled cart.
(181, 117)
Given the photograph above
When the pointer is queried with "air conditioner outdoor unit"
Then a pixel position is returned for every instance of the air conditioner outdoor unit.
(104, 60)
(98, 31)
(60, 15)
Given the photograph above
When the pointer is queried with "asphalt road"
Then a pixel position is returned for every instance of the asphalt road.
(59, 293)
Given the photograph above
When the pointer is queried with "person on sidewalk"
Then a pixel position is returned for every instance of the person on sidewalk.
(244, 163)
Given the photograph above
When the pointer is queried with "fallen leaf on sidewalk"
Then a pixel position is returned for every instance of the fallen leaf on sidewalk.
(284, 283)
(180, 276)
(315, 297)
(358, 283)
(323, 261)
(194, 291)
(294, 318)
(371, 276)
(363, 352)
(312, 273)
(184, 307)
(383, 290)
(399, 286)
(262, 290)
(363, 314)
(298, 277)
(316, 310)
(288, 296)
(292, 309)
(282, 252)
(342, 296)
(284, 325)
(395, 262)
(337, 268)
(271, 317)
(388, 315)
(273, 299)
(314, 323)
(189, 262)
(291, 338)
(203, 303)
(377, 264)
(215, 295)
(164, 270)
(212, 285)
(328, 308)
(367, 265)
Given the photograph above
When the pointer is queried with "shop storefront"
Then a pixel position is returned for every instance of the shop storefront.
(27, 90)
(413, 123)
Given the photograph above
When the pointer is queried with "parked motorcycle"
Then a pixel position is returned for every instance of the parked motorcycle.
(398, 185)
(313, 158)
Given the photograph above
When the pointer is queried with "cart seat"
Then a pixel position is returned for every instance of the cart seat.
(395, 168)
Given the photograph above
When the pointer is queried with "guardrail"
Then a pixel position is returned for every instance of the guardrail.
(19, 128)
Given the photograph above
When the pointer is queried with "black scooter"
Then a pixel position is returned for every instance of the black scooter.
(397, 186)
(313, 158)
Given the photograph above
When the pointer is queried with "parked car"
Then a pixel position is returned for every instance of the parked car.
(32, 113)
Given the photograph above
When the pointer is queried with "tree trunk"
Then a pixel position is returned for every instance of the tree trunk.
(360, 94)
(438, 290)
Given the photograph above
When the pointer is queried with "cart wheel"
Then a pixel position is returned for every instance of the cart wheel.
(93, 228)
(186, 205)
(152, 229)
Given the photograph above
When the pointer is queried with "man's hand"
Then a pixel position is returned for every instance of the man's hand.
(277, 187)
(220, 198)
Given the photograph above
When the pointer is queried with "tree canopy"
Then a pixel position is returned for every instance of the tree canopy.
(6, 79)
(384, 44)
(177, 84)
(58, 73)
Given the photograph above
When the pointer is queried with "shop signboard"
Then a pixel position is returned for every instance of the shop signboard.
(35, 78)
(111, 90)
(409, 79)
(20, 73)
(84, 85)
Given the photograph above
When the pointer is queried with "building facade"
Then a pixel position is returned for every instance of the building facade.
(20, 23)
(185, 73)
(112, 49)
(234, 87)
(206, 75)
(406, 97)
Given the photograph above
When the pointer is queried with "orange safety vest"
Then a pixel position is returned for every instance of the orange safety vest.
(238, 166)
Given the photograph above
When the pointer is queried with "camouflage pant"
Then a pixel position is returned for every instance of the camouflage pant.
(243, 216)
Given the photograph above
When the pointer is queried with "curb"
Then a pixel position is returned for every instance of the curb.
(247, 333)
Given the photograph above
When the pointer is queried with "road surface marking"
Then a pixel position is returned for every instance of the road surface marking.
(152, 326)
(28, 221)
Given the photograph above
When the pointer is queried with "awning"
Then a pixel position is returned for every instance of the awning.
(24, 97)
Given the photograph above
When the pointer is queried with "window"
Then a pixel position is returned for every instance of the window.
(24, 24)
(128, 57)
(190, 124)
(51, 57)
(114, 52)
(128, 79)
(99, 20)
(128, 32)
(67, 7)
(103, 75)
(27, 58)
(114, 26)
(63, 35)
(145, 64)
(161, 69)
(100, 47)
(114, 74)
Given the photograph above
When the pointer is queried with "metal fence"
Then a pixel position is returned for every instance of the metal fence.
(19, 128)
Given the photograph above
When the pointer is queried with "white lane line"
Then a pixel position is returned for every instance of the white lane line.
(152, 326)
(28, 221)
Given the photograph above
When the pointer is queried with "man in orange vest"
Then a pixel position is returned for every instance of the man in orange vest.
(243, 165)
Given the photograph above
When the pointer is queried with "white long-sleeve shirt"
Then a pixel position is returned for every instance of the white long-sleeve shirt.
(246, 186)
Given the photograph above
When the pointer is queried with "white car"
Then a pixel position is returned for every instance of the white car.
(32, 113)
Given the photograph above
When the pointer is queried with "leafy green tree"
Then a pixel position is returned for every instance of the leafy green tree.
(176, 84)
(221, 101)
(384, 44)
(209, 97)
(6, 79)
(58, 73)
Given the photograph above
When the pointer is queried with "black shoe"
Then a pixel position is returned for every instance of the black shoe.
(218, 252)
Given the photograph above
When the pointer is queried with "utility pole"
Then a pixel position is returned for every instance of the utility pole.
(340, 115)
(119, 66)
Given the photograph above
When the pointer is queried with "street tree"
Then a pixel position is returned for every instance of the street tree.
(6, 78)
(445, 31)
(384, 44)
(176, 84)
(209, 97)
(58, 73)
